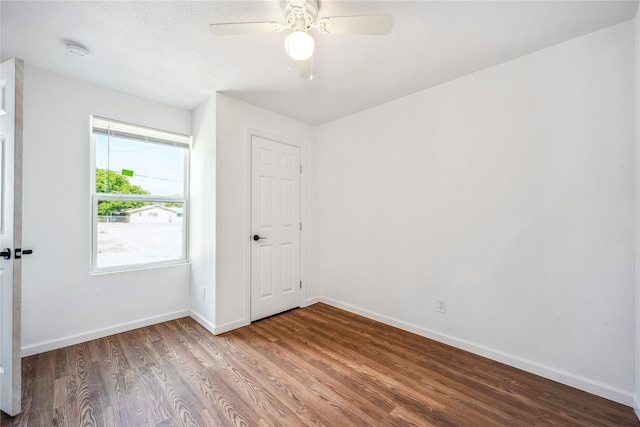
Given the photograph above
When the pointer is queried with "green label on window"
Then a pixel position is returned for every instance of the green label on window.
(127, 172)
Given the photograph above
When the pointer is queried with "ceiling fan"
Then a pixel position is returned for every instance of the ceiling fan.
(300, 16)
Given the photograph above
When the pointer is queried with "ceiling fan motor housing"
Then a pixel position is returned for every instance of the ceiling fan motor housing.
(300, 14)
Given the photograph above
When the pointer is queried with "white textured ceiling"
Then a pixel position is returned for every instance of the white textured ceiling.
(164, 51)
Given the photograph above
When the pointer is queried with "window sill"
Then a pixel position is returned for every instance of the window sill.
(138, 267)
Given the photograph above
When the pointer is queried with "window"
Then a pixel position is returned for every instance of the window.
(139, 195)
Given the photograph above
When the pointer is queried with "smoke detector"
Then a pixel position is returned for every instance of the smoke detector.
(76, 49)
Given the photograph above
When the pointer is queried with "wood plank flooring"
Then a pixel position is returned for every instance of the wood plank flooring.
(313, 366)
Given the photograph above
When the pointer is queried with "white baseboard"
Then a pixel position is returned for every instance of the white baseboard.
(209, 326)
(237, 323)
(636, 404)
(230, 326)
(41, 347)
(312, 301)
(567, 378)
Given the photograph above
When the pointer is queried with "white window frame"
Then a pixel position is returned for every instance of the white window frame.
(123, 129)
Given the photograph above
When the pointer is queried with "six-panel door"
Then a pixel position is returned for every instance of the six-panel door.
(275, 224)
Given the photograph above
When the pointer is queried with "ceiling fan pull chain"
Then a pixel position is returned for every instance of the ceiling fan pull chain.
(286, 41)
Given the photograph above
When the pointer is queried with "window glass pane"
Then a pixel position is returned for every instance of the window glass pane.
(138, 167)
(149, 233)
(140, 194)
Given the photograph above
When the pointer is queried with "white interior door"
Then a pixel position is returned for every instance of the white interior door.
(275, 226)
(10, 235)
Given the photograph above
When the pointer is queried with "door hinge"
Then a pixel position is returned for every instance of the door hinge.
(300, 284)
(300, 226)
(300, 168)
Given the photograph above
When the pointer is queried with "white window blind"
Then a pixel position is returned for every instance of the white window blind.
(127, 130)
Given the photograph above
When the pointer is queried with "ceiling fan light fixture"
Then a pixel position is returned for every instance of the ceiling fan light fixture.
(299, 45)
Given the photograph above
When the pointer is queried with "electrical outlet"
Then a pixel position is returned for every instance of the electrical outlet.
(441, 305)
(202, 293)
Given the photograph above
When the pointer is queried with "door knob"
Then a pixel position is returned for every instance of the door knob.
(6, 253)
(256, 237)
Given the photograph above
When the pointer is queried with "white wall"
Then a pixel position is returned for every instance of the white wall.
(202, 224)
(233, 120)
(509, 192)
(62, 304)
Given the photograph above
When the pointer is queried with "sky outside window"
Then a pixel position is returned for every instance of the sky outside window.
(157, 168)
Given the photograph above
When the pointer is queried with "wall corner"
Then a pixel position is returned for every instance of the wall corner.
(202, 214)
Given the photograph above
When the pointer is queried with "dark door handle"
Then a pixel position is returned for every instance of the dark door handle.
(20, 252)
(256, 237)
(6, 253)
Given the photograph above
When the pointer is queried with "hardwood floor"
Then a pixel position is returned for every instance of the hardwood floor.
(313, 366)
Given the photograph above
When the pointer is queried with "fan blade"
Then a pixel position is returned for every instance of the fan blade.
(372, 25)
(307, 70)
(237, 28)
